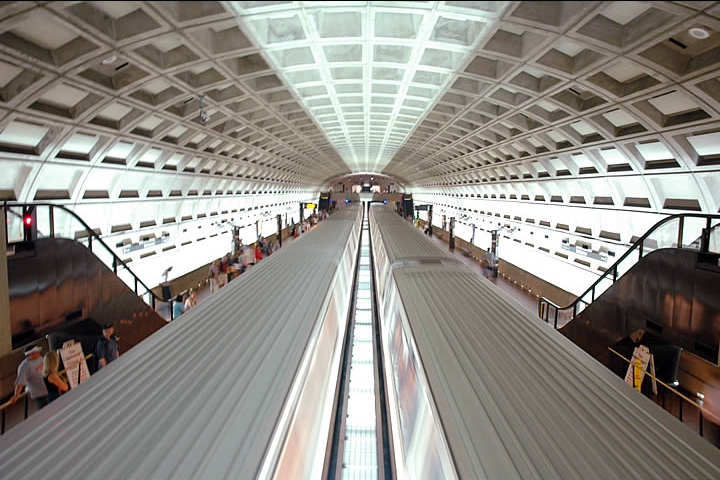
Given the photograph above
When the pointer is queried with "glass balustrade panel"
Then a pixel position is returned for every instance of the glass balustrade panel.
(604, 283)
(714, 244)
(665, 236)
(692, 232)
(627, 263)
(14, 224)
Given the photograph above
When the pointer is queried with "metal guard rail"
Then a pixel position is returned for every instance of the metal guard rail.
(544, 303)
(702, 411)
(117, 261)
(25, 395)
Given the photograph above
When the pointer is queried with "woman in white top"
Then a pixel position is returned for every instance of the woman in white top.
(191, 301)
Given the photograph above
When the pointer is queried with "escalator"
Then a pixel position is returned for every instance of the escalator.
(63, 287)
(65, 282)
(664, 282)
(663, 289)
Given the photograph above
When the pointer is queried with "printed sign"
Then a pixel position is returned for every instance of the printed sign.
(638, 366)
(73, 358)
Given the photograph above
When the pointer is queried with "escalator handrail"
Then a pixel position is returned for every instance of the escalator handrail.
(90, 232)
(635, 246)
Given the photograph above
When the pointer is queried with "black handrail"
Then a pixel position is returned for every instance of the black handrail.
(613, 270)
(116, 261)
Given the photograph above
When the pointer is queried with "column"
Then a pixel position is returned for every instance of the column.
(5, 327)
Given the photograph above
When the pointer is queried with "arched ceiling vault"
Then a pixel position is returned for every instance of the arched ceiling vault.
(601, 104)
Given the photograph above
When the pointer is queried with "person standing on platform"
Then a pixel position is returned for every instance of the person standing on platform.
(55, 385)
(178, 306)
(222, 273)
(191, 301)
(213, 273)
(30, 374)
(106, 348)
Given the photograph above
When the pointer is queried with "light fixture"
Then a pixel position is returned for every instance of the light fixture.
(699, 32)
(109, 59)
(204, 117)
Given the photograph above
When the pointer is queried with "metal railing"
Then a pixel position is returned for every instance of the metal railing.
(24, 396)
(48, 220)
(688, 230)
(702, 411)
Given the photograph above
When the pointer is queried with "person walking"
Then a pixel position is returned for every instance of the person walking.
(55, 385)
(29, 374)
(213, 273)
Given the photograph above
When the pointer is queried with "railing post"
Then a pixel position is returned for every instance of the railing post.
(90, 242)
(705, 237)
(52, 221)
(5, 214)
(681, 404)
(574, 309)
(114, 265)
(640, 250)
(136, 284)
(592, 295)
(681, 225)
(556, 318)
(614, 274)
(26, 405)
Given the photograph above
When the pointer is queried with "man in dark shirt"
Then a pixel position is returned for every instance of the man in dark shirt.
(106, 348)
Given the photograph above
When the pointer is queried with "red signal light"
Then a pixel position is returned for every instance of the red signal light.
(28, 220)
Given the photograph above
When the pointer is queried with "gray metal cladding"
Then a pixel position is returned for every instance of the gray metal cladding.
(201, 397)
(409, 244)
(516, 399)
(402, 242)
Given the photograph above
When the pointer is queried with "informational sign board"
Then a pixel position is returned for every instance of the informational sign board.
(73, 358)
(638, 366)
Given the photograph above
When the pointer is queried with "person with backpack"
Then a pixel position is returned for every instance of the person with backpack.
(106, 348)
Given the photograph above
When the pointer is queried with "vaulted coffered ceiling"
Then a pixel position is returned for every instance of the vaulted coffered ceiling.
(368, 72)
(577, 101)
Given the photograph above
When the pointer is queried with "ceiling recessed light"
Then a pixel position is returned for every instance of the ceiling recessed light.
(698, 32)
(109, 59)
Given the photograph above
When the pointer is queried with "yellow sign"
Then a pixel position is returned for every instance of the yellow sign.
(309, 205)
(638, 374)
(638, 366)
